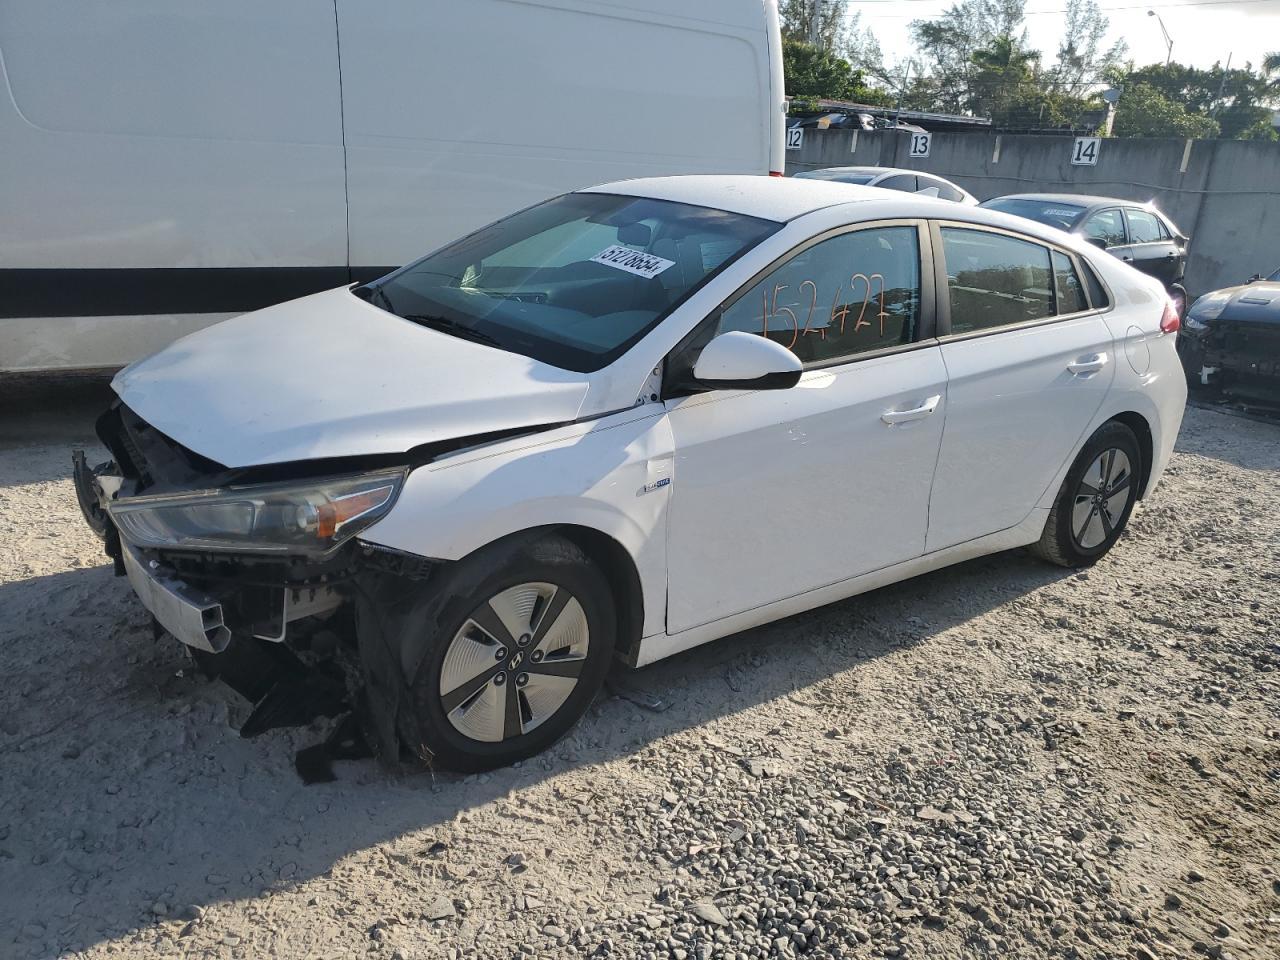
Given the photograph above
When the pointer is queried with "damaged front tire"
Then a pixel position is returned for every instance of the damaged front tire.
(501, 652)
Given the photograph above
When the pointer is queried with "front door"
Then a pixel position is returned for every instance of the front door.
(1029, 365)
(778, 492)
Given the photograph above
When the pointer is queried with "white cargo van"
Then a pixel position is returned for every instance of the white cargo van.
(165, 164)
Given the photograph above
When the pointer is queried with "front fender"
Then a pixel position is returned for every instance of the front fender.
(606, 475)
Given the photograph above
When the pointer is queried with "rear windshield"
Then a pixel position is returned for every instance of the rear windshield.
(837, 176)
(1064, 216)
(573, 282)
(1275, 276)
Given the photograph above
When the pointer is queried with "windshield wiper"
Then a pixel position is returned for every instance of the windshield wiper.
(376, 296)
(453, 327)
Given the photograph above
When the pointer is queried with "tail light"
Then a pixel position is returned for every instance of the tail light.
(1170, 322)
(775, 173)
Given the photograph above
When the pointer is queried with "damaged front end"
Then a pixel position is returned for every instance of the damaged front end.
(256, 571)
(1231, 342)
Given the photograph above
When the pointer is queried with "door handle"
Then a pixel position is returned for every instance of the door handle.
(1125, 257)
(915, 413)
(1087, 366)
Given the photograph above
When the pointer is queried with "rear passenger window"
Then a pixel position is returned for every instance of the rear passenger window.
(995, 280)
(1070, 293)
(853, 293)
(902, 181)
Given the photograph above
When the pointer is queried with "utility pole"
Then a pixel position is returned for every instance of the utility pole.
(1222, 87)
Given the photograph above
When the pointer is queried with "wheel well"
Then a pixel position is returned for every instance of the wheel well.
(620, 570)
(1142, 430)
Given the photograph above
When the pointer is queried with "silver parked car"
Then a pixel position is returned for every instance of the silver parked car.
(893, 178)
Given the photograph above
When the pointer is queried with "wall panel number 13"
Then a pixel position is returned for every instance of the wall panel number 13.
(920, 144)
(1085, 152)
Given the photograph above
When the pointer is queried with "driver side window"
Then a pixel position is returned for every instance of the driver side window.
(844, 296)
(1107, 226)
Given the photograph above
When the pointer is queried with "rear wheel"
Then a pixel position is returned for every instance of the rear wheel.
(1096, 498)
(517, 660)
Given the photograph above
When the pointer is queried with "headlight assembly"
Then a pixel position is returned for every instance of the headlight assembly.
(1207, 308)
(311, 517)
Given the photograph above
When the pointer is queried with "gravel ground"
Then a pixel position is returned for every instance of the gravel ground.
(1001, 759)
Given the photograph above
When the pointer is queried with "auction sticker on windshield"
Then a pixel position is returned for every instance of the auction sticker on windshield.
(633, 261)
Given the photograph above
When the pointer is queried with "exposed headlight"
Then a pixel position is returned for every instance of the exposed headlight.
(310, 518)
(1207, 308)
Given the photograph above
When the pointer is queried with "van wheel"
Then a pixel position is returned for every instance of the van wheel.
(517, 660)
(1095, 501)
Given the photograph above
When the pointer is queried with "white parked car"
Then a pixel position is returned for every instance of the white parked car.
(622, 423)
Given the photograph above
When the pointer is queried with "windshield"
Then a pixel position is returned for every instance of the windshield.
(837, 176)
(1051, 213)
(573, 282)
(1275, 276)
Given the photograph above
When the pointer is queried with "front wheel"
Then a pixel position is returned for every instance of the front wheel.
(1096, 498)
(517, 660)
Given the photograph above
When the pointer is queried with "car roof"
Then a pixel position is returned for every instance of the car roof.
(1073, 199)
(783, 199)
(771, 198)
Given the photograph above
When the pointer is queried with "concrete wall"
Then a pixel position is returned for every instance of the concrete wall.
(1224, 193)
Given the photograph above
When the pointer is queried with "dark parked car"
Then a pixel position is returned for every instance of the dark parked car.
(1231, 340)
(893, 178)
(1137, 233)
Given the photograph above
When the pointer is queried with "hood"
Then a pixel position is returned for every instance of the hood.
(332, 376)
(1256, 303)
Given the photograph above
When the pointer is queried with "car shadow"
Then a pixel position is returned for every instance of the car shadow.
(126, 782)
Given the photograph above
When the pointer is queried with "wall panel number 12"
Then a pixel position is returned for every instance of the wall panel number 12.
(795, 138)
(1085, 152)
(920, 144)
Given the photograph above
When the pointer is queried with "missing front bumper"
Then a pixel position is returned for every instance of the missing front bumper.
(189, 614)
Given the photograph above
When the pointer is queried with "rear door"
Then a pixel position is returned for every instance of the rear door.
(1028, 365)
(1151, 246)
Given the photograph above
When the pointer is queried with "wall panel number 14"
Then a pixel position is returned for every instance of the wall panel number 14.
(1085, 152)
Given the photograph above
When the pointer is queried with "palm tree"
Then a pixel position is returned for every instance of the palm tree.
(1270, 65)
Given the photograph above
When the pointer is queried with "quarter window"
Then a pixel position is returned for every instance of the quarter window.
(1144, 227)
(1070, 292)
(1107, 226)
(995, 280)
(853, 293)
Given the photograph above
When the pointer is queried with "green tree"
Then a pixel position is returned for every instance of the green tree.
(813, 74)
(1144, 111)
(947, 44)
(1237, 100)
(1083, 53)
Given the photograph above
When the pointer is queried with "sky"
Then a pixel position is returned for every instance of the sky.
(1202, 33)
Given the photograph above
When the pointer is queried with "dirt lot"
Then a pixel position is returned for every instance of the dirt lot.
(1002, 759)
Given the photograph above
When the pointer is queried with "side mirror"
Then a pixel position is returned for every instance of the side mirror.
(1097, 242)
(746, 361)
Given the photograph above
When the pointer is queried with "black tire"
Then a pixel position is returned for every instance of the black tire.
(551, 560)
(1178, 293)
(1065, 540)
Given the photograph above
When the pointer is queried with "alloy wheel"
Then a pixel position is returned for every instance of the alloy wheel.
(514, 662)
(1101, 497)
